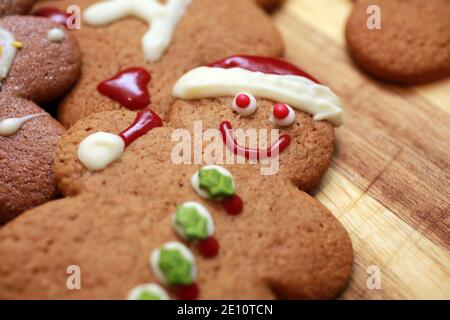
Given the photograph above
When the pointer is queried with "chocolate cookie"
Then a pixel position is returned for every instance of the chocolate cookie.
(9, 7)
(412, 44)
(39, 61)
(194, 33)
(169, 229)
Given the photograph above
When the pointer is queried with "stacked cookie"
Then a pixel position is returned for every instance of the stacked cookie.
(147, 211)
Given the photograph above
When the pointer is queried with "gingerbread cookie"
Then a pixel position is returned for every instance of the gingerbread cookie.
(118, 34)
(405, 41)
(164, 230)
(270, 4)
(39, 61)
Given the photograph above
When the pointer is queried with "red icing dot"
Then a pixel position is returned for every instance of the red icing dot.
(233, 205)
(280, 111)
(128, 87)
(209, 247)
(242, 100)
(188, 292)
(53, 14)
(144, 122)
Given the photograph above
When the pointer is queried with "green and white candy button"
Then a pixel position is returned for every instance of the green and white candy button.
(149, 291)
(174, 264)
(192, 221)
(213, 182)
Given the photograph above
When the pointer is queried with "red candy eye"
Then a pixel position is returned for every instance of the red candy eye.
(244, 104)
(282, 115)
(280, 111)
(242, 100)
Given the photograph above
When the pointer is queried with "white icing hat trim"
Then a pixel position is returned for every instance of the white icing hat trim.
(185, 252)
(210, 228)
(100, 149)
(8, 52)
(162, 20)
(150, 287)
(299, 92)
(195, 180)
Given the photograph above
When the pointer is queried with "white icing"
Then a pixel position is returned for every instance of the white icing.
(247, 111)
(286, 122)
(210, 228)
(100, 149)
(299, 92)
(162, 19)
(7, 52)
(55, 35)
(10, 126)
(149, 287)
(195, 180)
(185, 252)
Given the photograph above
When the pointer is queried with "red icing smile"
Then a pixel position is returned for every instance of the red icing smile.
(255, 154)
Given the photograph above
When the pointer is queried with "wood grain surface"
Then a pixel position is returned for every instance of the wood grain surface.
(389, 183)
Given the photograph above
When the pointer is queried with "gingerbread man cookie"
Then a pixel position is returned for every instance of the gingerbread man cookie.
(39, 61)
(163, 39)
(164, 230)
(404, 41)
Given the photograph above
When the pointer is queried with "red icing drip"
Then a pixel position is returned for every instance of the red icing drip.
(233, 205)
(53, 14)
(262, 64)
(255, 154)
(188, 292)
(128, 87)
(209, 247)
(144, 122)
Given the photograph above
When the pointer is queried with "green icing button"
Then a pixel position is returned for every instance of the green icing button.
(216, 184)
(148, 295)
(191, 222)
(175, 267)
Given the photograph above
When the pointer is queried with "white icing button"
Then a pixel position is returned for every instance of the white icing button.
(299, 92)
(195, 180)
(7, 52)
(185, 252)
(162, 20)
(202, 211)
(55, 35)
(285, 122)
(10, 126)
(100, 149)
(151, 288)
(246, 110)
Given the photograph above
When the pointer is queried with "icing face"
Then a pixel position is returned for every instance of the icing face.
(7, 52)
(162, 19)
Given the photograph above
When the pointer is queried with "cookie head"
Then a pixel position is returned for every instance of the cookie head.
(257, 93)
(36, 65)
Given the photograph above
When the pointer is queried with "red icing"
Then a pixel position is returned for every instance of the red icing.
(262, 64)
(255, 154)
(144, 122)
(280, 111)
(242, 100)
(53, 14)
(128, 87)
(209, 247)
(233, 205)
(188, 292)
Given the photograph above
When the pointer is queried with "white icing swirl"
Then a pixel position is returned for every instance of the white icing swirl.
(299, 92)
(162, 19)
(10, 126)
(7, 52)
(100, 149)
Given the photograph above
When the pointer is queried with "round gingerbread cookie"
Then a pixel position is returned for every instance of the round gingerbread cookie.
(411, 43)
(40, 60)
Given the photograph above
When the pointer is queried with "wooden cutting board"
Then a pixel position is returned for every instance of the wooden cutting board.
(389, 183)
